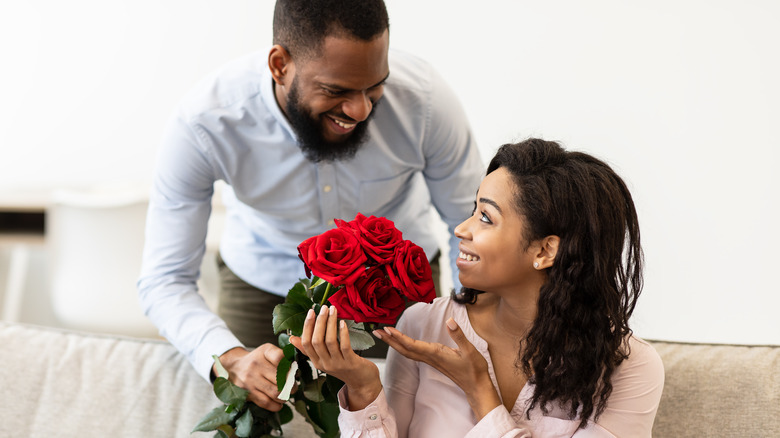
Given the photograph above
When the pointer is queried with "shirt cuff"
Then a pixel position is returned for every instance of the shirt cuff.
(497, 422)
(370, 417)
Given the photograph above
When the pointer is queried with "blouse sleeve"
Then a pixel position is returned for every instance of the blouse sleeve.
(498, 423)
(636, 393)
(374, 421)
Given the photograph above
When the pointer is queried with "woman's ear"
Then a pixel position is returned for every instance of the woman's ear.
(280, 63)
(545, 257)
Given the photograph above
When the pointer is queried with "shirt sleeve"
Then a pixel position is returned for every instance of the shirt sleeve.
(176, 225)
(374, 421)
(499, 424)
(454, 167)
(636, 393)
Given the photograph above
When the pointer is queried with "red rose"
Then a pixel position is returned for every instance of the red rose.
(371, 298)
(410, 272)
(335, 256)
(378, 235)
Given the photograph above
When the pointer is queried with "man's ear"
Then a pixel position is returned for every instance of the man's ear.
(545, 257)
(281, 64)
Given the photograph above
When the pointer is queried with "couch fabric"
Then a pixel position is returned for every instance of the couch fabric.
(719, 391)
(60, 383)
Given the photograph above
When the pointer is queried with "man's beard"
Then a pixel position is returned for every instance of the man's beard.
(309, 132)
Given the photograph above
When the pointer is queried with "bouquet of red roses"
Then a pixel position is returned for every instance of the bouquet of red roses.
(367, 271)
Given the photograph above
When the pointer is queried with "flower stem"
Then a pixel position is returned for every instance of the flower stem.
(326, 295)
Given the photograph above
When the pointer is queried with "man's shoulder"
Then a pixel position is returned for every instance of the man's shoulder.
(233, 82)
(409, 71)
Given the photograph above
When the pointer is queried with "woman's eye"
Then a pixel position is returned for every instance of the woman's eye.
(484, 218)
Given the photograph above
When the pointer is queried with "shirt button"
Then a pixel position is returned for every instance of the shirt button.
(372, 417)
(327, 189)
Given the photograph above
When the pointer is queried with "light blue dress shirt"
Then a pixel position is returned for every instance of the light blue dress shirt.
(420, 155)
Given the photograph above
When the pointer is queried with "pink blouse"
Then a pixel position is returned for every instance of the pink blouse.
(420, 402)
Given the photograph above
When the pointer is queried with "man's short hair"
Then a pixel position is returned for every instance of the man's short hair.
(300, 26)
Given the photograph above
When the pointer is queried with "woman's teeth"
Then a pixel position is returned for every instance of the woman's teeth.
(467, 257)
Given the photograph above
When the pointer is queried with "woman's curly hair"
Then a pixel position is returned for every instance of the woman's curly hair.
(580, 333)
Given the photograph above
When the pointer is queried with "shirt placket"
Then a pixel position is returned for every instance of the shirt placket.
(328, 193)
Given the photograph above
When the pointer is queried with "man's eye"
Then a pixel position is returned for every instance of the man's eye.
(330, 92)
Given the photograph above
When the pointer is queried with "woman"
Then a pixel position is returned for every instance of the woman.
(537, 343)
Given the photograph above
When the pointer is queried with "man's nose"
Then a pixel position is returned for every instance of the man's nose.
(357, 107)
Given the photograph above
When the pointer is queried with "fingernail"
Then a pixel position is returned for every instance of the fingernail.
(343, 324)
(378, 334)
(323, 310)
(332, 310)
(310, 314)
(451, 324)
(387, 330)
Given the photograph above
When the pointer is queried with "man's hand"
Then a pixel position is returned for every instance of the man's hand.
(463, 365)
(256, 371)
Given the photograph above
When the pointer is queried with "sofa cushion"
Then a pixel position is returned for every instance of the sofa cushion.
(718, 390)
(60, 383)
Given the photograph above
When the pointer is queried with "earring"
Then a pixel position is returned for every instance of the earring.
(536, 265)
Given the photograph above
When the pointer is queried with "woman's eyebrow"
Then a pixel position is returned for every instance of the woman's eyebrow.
(490, 202)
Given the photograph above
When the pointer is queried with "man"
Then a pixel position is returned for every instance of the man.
(300, 137)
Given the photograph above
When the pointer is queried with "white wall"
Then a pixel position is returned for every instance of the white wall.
(681, 97)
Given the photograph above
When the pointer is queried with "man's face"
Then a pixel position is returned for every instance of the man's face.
(332, 96)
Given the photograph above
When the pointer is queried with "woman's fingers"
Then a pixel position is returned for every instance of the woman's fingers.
(459, 337)
(411, 348)
(332, 334)
(318, 336)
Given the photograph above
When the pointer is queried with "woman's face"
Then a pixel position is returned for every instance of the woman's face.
(492, 255)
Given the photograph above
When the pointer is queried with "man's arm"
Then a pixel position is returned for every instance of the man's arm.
(454, 166)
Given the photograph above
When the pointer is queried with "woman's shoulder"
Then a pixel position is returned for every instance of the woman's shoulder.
(642, 354)
(642, 371)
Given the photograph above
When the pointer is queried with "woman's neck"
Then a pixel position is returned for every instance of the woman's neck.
(504, 316)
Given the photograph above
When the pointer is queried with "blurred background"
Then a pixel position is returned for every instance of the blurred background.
(681, 98)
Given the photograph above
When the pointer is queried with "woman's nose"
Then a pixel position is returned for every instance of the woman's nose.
(461, 231)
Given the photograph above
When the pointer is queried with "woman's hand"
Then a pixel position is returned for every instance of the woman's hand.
(329, 350)
(463, 365)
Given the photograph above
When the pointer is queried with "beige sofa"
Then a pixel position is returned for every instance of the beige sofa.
(56, 383)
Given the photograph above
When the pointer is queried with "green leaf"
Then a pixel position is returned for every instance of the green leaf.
(359, 338)
(288, 316)
(286, 414)
(229, 393)
(325, 415)
(289, 352)
(244, 424)
(299, 295)
(313, 390)
(213, 420)
(283, 340)
(221, 371)
(225, 432)
(281, 372)
(301, 407)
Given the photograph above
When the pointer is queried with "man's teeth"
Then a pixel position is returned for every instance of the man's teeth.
(467, 257)
(345, 125)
